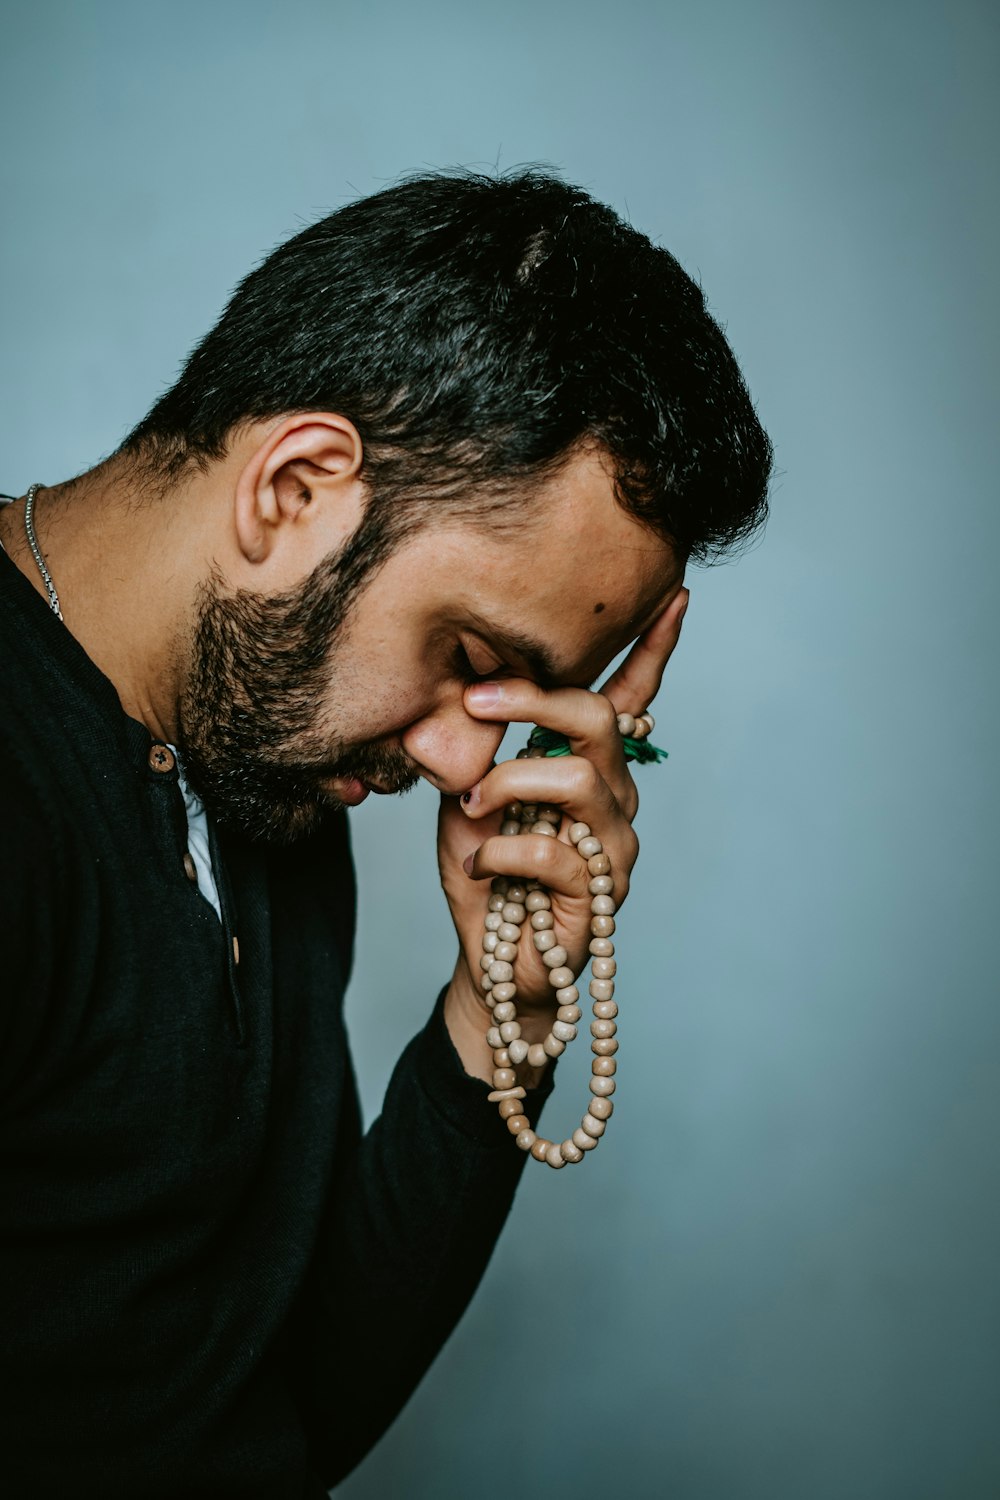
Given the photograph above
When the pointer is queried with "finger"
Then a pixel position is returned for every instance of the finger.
(569, 782)
(588, 720)
(534, 857)
(635, 684)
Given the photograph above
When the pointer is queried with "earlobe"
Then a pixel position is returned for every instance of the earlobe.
(301, 485)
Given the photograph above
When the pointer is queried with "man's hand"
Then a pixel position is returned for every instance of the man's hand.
(593, 785)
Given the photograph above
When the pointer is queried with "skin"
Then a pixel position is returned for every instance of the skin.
(581, 576)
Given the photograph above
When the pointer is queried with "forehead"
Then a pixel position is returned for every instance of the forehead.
(576, 575)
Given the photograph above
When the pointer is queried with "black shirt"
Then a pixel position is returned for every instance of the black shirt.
(211, 1282)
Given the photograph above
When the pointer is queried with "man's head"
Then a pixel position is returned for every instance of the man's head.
(473, 349)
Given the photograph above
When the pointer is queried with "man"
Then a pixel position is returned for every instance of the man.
(444, 455)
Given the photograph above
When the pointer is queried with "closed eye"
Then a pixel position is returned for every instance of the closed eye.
(469, 671)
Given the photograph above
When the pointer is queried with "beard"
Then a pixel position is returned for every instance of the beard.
(260, 666)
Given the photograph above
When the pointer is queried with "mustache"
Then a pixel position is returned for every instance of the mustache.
(382, 766)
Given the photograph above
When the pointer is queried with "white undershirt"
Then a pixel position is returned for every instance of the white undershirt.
(198, 840)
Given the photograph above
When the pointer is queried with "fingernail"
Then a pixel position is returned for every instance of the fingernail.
(467, 864)
(472, 796)
(485, 694)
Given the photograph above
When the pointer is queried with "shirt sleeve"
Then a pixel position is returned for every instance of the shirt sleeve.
(414, 1215)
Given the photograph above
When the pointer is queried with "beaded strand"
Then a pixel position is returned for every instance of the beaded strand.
(511, 903)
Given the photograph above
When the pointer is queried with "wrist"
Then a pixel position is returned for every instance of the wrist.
(468, 1020)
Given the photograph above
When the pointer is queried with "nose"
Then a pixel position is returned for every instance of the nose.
(451, 749)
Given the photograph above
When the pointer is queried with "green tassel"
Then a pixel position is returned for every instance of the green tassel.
(557, 744)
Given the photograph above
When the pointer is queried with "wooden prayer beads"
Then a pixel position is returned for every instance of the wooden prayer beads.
(511, 903)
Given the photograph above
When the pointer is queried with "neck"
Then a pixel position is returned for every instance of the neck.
(122, 564)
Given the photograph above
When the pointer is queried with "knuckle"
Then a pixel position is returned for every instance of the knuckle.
(605, 714)
(585, 777)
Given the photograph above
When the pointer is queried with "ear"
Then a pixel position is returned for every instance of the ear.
(299, 495)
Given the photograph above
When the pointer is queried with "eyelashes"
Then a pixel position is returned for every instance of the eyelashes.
(466, 672)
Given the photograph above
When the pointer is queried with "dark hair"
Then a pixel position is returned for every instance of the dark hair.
(477, 330)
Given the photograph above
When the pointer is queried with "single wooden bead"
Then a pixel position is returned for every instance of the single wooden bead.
(555, 957)
(601, 885)
(570, 1013)
(504, 1078)
(641, 729)
(505, 953)
(502, 992)
(499, 884)
(533, 885)
(583, 1140)
(604, 1046)
(496, 1095)
(605, 1010)
(490, 941)
(493, 1037)
(486, 983)
(529, 812)
(603, 1086)
(601, 989)
(537, 1055)
(551, 812)
(602, 926)
(588, 847)
(510, 1031)
(509, 827)
(516, 892)
(541, 921)
(599, 864)
(501, 1059)
(603, 906)
(499, 972)
(602, 947)
(547, 831)
(604, 968)
(537, 901)
(539, 1147)
(519, 1050)
(546, 938)
(603, 1028)
(554, 1155)
(485, 959)
(593, 1126)
(504, 1011)
(552, 1046)
(570, 1150)
(577, 832)
(602, 1109)
(495, 903)
(509, 1108)
(559, 978)
(526, 1139)
(508, 932)
(650, 721)
(626, 724)
(565, 1031)
(493, 920)
(512, 810)
(514, 912)
(603, 1067)
(568, 995)
(517, 1123)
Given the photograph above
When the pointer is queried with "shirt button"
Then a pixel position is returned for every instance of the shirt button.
(161, 758)
(189, 869)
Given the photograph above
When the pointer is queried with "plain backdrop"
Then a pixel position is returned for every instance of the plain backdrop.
(777, 1279)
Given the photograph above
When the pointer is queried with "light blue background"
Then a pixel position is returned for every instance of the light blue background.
(778, 1277)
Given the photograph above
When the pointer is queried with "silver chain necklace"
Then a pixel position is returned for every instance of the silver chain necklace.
(36, 551)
